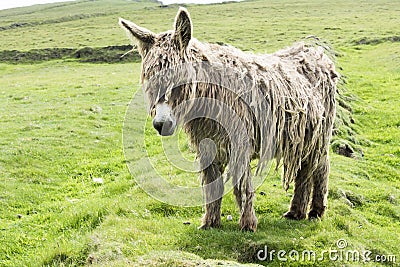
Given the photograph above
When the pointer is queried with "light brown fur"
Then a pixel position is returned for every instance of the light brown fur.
(284, 108)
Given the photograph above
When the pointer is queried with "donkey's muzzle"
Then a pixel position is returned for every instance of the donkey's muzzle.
(164, 128)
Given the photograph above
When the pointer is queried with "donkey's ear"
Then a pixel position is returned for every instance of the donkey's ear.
(141, 37)
(183, 28)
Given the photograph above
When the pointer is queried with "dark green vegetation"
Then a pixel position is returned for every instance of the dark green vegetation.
(108, 54)
(61, 122)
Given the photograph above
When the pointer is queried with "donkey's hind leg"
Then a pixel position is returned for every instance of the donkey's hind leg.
(213, 187)
(302, 191)
(320, 189)
(237, 192)
(244, 193)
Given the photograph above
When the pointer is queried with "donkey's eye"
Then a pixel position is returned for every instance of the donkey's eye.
(153, 111)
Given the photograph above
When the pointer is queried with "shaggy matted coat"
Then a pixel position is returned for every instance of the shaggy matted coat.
(279, 106)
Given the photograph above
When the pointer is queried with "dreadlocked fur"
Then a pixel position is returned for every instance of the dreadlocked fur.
(269, 106)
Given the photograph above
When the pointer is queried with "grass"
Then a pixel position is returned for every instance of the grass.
(61, 126)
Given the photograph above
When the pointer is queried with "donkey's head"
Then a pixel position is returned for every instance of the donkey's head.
(160, 53)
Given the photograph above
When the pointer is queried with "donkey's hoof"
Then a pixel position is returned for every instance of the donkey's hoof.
(249, 228)
(314, 215)
(208, 226)
(249, 225)
(203, 227)
(294, 216)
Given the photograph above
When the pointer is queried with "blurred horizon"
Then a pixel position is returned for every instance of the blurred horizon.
(23, 3)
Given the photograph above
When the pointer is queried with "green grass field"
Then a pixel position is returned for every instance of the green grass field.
(61, 126)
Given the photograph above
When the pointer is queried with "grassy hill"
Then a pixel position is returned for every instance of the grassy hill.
(61, 119)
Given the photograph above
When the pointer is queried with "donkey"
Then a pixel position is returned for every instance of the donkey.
(236, 107)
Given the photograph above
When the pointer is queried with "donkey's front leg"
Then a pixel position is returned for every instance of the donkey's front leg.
(213, 188)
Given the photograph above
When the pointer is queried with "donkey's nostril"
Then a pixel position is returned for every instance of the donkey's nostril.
(158, 125)
(167, 124)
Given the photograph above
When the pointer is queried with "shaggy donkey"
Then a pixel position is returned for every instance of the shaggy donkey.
(236, 107)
